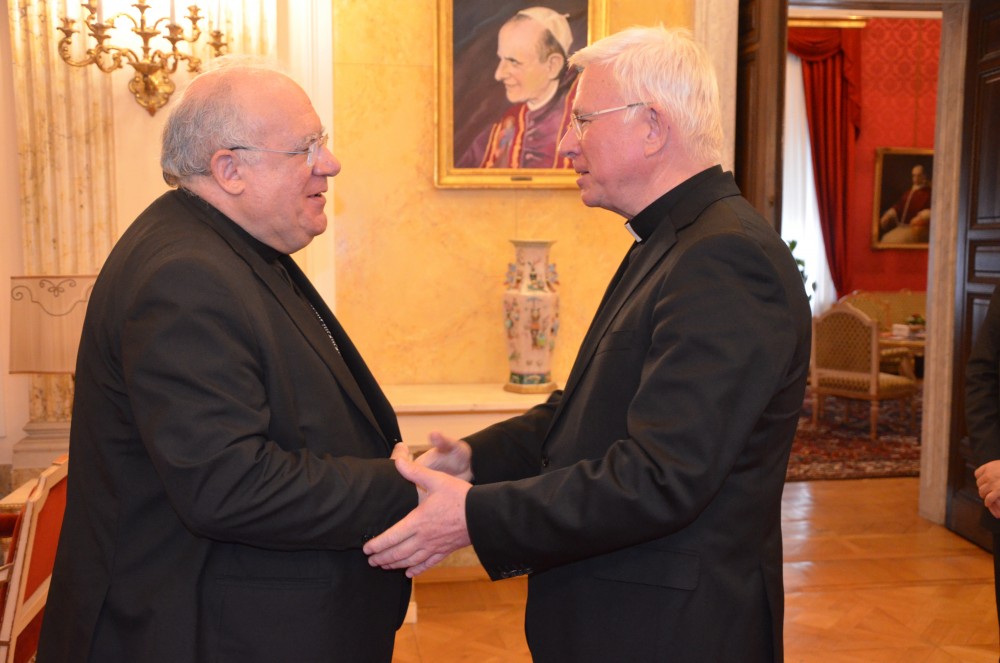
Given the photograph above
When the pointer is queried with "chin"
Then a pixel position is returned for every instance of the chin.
(316, 227)
(589, 199)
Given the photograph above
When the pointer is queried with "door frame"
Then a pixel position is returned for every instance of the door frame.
(943, 253)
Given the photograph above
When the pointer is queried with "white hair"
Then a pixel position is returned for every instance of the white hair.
(668, 67)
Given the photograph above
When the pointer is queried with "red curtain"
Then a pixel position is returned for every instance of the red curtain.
(831, 71)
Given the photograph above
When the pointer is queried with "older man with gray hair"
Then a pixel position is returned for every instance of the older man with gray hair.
(644, 500)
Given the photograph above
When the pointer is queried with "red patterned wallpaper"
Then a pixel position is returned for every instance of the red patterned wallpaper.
(899, 64)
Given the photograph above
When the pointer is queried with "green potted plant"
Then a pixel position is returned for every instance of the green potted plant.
(916, 323)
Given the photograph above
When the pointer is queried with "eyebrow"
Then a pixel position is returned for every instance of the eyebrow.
(309, 138)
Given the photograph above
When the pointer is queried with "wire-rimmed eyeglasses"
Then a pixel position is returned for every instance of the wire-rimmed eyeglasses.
(311, 150)
(577, 121)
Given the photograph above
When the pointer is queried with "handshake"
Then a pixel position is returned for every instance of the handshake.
(437, 526)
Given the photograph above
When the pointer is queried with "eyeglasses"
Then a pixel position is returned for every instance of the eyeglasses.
(311, 150)
(578, 120)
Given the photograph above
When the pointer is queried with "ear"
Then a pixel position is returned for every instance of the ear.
(225, 169)
(658, 130)
(554, 64)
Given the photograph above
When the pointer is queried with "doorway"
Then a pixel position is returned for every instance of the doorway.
(943, 253)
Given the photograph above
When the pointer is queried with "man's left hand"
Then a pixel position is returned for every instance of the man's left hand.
(428, 533)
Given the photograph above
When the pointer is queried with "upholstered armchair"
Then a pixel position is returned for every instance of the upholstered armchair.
(24, 579)
(884, 311)
(846, 363)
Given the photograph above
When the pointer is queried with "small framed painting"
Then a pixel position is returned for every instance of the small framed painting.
(902, 210)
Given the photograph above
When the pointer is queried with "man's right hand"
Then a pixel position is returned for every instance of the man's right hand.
(988, 482)
(448, 455)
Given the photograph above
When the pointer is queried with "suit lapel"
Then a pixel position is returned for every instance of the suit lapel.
(344, 364)
(645, 259)
(343, 359)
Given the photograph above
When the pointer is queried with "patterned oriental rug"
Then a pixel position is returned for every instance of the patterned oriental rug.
(838, 447)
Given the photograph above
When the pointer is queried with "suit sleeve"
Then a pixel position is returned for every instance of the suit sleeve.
(982, 387)
(511, 449)
(722, 342)
(197, 368)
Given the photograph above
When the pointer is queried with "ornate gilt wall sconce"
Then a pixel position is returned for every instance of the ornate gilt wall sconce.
(151, 84)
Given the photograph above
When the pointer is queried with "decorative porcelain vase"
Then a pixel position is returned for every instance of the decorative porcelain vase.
(531, 317)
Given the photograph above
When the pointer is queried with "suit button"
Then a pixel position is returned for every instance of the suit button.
(545, 461)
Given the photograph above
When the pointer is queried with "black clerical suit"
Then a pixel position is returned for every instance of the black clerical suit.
(228, 459)
(982, 411)
(649, 517)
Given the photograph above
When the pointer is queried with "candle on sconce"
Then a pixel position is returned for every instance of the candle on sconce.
(100, 11)
(173, 12)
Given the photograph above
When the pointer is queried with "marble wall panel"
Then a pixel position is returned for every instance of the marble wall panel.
(420, 270)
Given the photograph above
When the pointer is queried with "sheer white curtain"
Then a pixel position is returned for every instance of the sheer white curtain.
(799, 210)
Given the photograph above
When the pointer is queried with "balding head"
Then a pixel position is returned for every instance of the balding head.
(221, 108)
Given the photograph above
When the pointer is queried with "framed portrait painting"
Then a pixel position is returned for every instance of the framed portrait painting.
(902, 209)
(504, 90)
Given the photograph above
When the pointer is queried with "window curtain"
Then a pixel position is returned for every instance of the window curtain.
(65, 145)
(66, 151)
(831, 74)
(799, 209)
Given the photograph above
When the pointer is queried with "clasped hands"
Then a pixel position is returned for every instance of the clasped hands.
(437, 526)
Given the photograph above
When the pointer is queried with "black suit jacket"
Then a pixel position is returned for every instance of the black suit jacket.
(982, 396)
(649, 517)
(226, 463)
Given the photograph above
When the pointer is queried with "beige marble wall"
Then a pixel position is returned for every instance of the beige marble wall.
(420, 270)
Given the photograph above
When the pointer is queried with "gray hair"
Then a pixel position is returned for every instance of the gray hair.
(209, 117)
(668, 67)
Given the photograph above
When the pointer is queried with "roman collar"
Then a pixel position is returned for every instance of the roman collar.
(644, 224)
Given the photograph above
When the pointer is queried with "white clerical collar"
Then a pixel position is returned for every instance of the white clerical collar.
(632, 232)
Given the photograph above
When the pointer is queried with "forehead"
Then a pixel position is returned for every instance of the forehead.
(520, 37)
(283, 109)
(597, 87)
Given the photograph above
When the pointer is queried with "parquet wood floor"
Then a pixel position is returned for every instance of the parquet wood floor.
(867, 580)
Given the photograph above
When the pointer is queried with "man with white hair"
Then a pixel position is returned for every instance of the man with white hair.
(533, 46)
(644, 500)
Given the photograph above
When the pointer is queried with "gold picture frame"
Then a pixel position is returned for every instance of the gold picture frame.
(467, 31)
(903, 184)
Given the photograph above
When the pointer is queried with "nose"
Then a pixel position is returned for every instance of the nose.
(501, 71)
(569, 144)
(327, 165)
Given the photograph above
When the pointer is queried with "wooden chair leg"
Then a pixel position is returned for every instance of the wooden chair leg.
(874, 420)
(817, 404)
